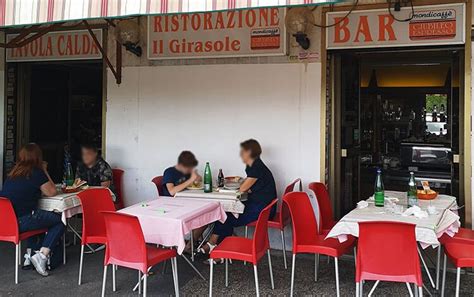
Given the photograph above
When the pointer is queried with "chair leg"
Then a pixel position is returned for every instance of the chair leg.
(145, 276)
(104, 280)
(256, 280)
(458, 280)
(271, 269)
(361, 288)
(113, 278)
(373, 288)
(139, 282)
(246, 236)
(443, 283)
(357, 289)
(316, 267)
(293, 263)
(420, 291)
(211, 270)
(174, 266)
(226, 272)
(17, 252)
(64, 247)
(409, 289)
(283, 243)
(438, 264)
(336, 267)
(81, 260)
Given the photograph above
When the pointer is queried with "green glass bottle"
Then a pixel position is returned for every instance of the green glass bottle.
(412, 195)
(207, 179)
(379, 193)
(69, 174)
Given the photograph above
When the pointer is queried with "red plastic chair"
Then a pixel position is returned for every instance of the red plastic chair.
(93, 201)
(158, 183)
(463, 236)
(245, 249)
(461, 254)
(9, 230)
(118, 177)
(126, 247)
(326, 216)
(281, 218)
(387, 251)
(306, 238)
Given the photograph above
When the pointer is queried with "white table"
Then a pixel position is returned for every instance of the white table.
(231, 201)
(166, 220)
(68, 204)
(427, 230)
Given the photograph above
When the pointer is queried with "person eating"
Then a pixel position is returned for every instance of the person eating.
(260, 188)
(181, 176)
(93, 169)
(26, 182)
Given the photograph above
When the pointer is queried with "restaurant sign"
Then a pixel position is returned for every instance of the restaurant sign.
(61, 45)
(233, 33)
(428, 25)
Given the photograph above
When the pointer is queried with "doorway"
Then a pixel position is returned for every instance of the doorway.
(60, 109)
(398, 111)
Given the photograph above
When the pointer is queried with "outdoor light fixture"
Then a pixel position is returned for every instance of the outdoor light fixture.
(128, 34)
(298, 22)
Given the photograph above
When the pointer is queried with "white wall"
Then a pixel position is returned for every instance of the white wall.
(158, 111)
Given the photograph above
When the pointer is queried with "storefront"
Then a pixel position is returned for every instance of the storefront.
(398, 101)
(54, 96)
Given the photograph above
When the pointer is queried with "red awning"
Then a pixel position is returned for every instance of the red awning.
(28, 12)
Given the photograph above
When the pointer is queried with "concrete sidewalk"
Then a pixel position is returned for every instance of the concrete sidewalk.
(63, 280)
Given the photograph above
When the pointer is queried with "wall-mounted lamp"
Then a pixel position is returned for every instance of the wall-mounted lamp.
(298, 22)
(128, 34)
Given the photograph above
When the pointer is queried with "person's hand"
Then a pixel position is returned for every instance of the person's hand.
(194, 176)
(45, 166)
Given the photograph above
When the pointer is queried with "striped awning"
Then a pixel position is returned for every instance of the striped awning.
(29, 12)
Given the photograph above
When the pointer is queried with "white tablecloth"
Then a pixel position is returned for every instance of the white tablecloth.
(230, 201)
(66, 204)
(428, 230)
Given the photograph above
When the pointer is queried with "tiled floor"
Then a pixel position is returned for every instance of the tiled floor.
(63, 281)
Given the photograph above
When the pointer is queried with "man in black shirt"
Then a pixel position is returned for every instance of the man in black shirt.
(93, 169)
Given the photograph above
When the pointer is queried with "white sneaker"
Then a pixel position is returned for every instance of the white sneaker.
(39, 262)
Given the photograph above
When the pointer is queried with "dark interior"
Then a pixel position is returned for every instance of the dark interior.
(399, 112)
(65, 110)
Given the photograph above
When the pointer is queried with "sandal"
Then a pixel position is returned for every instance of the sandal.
(211, 246)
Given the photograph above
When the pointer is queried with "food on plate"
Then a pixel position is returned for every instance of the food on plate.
(233, 179)
(426, 192)
(197, 185)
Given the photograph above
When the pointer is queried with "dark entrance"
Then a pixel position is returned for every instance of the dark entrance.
(62, 109)
(399, 111)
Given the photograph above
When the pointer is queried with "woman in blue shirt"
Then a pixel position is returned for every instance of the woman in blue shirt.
(260, 188)
(25, 184)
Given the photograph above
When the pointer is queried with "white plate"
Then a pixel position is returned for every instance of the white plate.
(195, 188)
(231, 187)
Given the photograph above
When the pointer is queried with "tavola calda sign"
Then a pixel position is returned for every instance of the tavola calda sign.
(253, 32)
(426, 25)
(54, 46)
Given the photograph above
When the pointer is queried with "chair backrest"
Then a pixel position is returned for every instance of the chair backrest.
(387, 251)
(302, 216)
(291, 187)
(125, 241)
(158, 183)
(118, 177)
(8, 222)
(260, 237)
(94, 201)
(283, 210)
(324, 205)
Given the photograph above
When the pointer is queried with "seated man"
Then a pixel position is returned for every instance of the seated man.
(177, 178)
(93, 169)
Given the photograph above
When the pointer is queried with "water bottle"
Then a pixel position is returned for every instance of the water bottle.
(412, 195)
(379, 193)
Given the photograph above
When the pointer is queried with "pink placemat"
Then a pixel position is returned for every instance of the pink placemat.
(167, 220)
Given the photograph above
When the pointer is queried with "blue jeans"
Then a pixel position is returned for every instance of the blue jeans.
(251, 213)
(41, 219)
